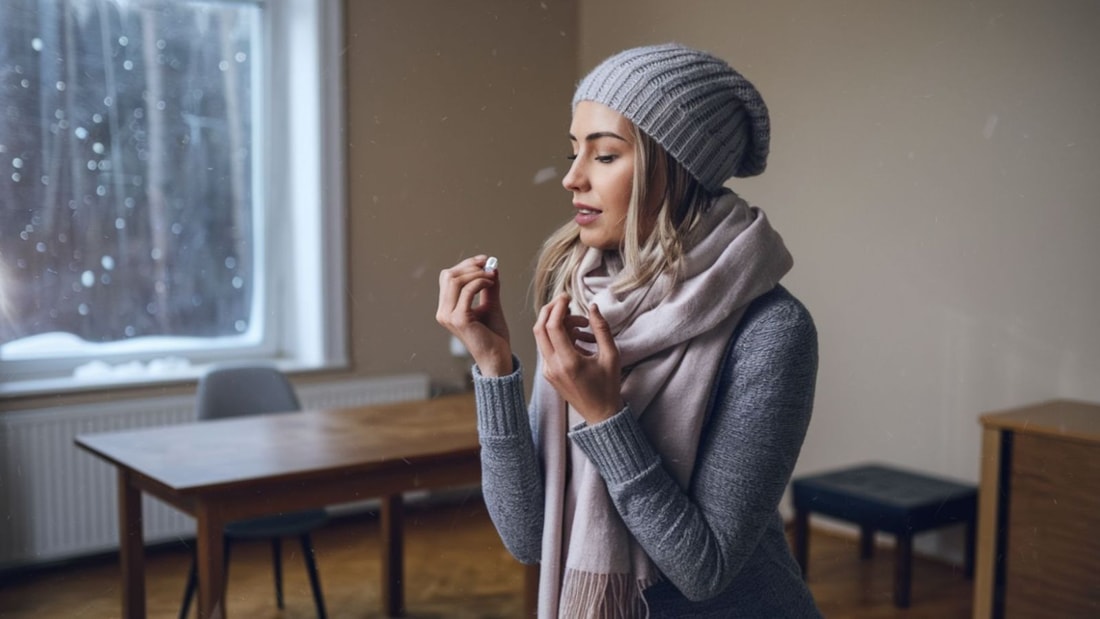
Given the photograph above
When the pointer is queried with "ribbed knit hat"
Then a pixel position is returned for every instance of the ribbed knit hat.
(705, 114)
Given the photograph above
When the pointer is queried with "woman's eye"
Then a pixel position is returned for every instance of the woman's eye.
(605, 158)
(571, 157)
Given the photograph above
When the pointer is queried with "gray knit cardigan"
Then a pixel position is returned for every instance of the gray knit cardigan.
(720, 546)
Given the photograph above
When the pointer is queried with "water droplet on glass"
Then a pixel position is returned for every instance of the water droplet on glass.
(98, 148)
(104, 165)
(45, 179)
(129, 202)
(108, 101)
(100, 191)
(40, 247)
(87, 278)
(240, 57)
(177, 228)
(61, 86)
(230, 262)
(161, 105)
(80, 133)
(155, 254)
(120, 224)
(128, 65)
(25, 83)
(97, 118)
(123, 41)
(36, 44)
(223, 65)
(16, 177)
(161, 44)
(241, 326)
(238, 282)
(92, 165)
(129, 331)
(82, 309)
(151, 308)
(23, 234)
(139, 113)
(17, 163)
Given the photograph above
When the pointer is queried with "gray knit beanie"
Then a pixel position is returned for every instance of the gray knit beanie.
(705, 114)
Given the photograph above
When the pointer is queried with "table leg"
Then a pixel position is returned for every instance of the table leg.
(393, 596)
(903, 570)
(531, 590)
(131, 539)
(210, 557)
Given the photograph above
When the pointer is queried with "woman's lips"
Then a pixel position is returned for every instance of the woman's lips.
(585, 214)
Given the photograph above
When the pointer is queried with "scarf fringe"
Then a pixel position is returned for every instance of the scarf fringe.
(587, 595)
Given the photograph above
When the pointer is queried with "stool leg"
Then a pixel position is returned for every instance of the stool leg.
(903, 570)
(968, 552)
(866, 541)
(802, 539)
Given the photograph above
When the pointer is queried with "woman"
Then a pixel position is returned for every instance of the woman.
(676, 377)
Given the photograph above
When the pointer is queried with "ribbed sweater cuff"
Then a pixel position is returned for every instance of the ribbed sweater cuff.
(501, 410)
(617, 446)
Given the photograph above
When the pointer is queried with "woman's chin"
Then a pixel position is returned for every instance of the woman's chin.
(595, 240)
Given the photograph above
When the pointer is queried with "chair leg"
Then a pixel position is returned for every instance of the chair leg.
(314, 580)
(277, 565)
(189, 590)
(802, 539)
(193, 579)
(903, 570)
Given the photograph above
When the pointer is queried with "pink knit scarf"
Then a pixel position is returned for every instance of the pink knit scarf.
(592, 566)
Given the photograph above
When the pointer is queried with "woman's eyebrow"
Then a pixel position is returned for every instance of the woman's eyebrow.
(597, 135)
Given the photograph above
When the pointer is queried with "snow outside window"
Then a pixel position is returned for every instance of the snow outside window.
(153, 153)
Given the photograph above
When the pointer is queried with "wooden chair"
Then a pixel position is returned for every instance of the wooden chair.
(234, 391)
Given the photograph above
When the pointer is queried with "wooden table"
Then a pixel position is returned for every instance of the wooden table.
(230, 469)
(1039, 512)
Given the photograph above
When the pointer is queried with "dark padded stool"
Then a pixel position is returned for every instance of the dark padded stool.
(884, 498)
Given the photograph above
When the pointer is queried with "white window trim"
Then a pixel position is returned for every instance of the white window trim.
(305, 40)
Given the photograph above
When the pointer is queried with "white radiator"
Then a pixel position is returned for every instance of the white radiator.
(58, 501)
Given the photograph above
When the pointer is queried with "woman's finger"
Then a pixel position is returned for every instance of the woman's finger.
(605, 342)
(453, 281)
(465, 306)
(560, 334)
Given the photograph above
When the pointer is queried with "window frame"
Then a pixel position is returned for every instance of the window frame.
(303, 315)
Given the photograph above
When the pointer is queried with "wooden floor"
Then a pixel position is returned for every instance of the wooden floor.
(455, 567)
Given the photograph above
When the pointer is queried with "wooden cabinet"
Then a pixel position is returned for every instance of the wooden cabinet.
(1039, 513)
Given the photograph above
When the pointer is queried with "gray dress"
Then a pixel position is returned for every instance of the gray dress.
(720, 546)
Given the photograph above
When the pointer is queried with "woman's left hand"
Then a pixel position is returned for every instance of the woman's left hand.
(590, 381)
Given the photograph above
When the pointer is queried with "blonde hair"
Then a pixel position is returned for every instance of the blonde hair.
(666, 204)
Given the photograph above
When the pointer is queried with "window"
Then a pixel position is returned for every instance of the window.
(153, 153)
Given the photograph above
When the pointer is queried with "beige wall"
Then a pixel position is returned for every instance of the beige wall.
(454, 108)
(934, 170)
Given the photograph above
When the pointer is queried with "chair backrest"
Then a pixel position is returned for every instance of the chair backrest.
(238, 390)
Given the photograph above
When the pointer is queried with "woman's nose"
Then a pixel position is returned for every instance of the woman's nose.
(574, 177)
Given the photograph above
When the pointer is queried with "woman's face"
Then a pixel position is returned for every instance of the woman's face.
(602, 173)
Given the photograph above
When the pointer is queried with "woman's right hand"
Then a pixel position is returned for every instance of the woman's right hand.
(481, 327)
